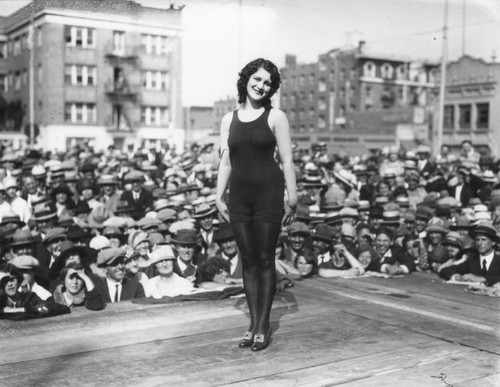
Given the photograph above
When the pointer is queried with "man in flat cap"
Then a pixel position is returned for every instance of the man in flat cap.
(140, 199)
(297, 236)
(116, 286)
(27, 265)
(483, 263)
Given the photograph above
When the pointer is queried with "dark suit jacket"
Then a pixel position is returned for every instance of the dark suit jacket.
(465, 195)
(472, 265)
(142, 205)
(238, 272)
(398, 257)
(131, 289)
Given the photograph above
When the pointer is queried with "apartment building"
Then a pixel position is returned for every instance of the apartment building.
(106, 71)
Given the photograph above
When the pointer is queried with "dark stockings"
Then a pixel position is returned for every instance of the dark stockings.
(257, 244)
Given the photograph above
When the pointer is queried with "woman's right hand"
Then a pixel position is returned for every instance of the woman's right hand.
(223, 210)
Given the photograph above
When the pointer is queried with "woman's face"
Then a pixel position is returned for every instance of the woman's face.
(365, 258)
(452, 250)
(165, 268)
(413, 248)
(73, 283)
(383, 188)
(11, 287)
(88, 193)
(132, 266)
(435, 238)
(143, 247)
(221, 277)
(382, 243)
(61, 198)
(115, 242)
(259, 85)
(304, 267)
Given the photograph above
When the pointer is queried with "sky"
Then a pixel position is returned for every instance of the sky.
(221, 36)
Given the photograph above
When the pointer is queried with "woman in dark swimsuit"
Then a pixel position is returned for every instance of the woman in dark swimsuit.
(257, 209)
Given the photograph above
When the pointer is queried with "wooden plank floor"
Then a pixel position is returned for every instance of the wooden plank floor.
(411, 331)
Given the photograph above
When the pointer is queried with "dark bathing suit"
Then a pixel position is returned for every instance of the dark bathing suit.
(256, 184)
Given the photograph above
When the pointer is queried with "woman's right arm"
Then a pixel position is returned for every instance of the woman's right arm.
(224, 167)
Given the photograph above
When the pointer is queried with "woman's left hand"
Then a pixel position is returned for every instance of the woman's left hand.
(289, 217)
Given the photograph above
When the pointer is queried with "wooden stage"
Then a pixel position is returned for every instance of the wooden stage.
(412, 331)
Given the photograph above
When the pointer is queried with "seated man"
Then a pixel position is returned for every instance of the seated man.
(298, 233)
(228, 250)
(392, 259)
(26, 264)
(188, 255)
(116, 287)
(483, 263)
(166, 283)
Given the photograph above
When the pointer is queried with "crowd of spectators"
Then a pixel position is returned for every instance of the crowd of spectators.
(83, 228)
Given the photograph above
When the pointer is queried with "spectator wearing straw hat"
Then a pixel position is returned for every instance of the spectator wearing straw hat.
(109, 193)
(45, 215)
(204, 215)
(167, 282)
(483, 263)
(116, 286)
(18, 205)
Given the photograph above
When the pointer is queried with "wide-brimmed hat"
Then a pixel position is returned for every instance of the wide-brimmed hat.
(203, 210)
(186, 237)
(22, 237)
(424, 213)
(188, 187)
(323, 232)
(329, 205)
(454, 238)
(486, 229)
(345, 177)
(12, 218)
(9, 182)
(298, 228)
(348, 212)
(107, 256)
(148, 223)
(166, 214)
(437, 225)
(107, 180)
(489, 177)
(61, 188)
(162, 253)
(56, 233)
(160, 204)
(24, 262)
(45, 211)
(224, 233)
(134, 176)
(68, 248)
(76, 233)
(462, 222)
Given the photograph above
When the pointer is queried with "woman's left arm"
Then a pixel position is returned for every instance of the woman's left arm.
(282, 133)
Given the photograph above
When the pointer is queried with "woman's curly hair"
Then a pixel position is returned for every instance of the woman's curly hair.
(210, 267)
(251, 68)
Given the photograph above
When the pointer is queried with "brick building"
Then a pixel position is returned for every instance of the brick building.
(472, 104)
(105, 71)
(355, 100)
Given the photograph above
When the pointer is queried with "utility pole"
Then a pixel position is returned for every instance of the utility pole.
(442, 85)
(464, 6)
(31, 45)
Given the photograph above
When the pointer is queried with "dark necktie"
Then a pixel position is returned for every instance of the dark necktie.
(116, 293)
(484, 265)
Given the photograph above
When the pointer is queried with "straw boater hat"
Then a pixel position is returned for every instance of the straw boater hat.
(345, 177)
(203, 210)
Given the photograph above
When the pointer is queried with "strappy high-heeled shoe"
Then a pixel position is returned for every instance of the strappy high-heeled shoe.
(247, 340)
(261, 341)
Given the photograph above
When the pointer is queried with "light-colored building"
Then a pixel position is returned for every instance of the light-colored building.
(107, 71)
(472, 104)
(355, 100)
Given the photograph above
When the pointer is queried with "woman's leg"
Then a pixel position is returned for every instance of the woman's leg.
(265, 240)
(243, 234)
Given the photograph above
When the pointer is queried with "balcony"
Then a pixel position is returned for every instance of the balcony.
(121, 91)
(126, 54)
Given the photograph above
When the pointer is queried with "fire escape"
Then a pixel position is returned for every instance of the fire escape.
(122, 94)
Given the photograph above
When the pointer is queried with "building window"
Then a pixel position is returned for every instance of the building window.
(79, 37)
(17, 47)
(17, 80)
(465, 116)
(331, 76)
(342, 111)
(321, 122)
(39, 37)
(154, 116)
(311, 96)
(302, 80)
(401, 72)
(79, 75)
(386, 71)
(154, 44)
(369, 70)
(483, 115)
(312, 113)
(449, 117)
(368, 92)
(342, 74)
(24, 77)
(40, 73)
(322, 65)
(4, 84)
(301, 115)
(321, 103)
(156, 80)
(119, 42)
(80, 113)
(3, 50)
(322, 85)
(311, 78)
